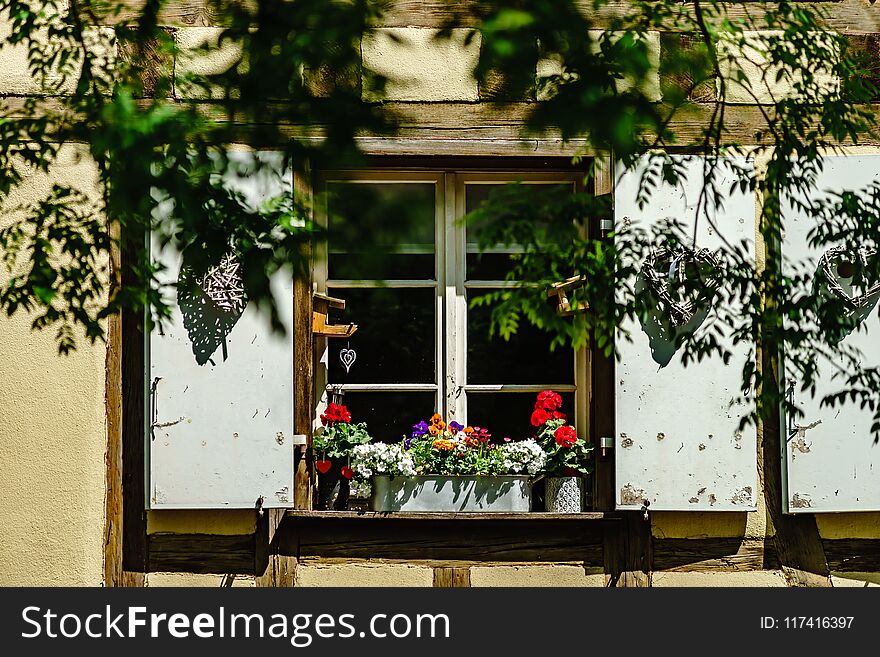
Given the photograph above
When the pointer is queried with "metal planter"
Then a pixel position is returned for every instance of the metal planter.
(502, 494)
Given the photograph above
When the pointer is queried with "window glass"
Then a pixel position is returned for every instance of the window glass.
(509, 413)
(380, 231)
(394, 342)
(523, 359)
(495, 262)
(389, 415)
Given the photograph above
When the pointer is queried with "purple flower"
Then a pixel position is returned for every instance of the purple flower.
(419, 430)
(455, 426)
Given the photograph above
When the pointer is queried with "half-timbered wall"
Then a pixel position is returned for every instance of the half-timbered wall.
(55, 516)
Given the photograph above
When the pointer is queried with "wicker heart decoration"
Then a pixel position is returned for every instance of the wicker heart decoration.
(211, 304)
(679, 268)
(839, 264)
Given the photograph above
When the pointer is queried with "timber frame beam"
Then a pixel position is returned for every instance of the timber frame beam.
(843, 15)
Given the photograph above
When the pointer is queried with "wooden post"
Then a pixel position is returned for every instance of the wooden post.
(303, 360)
(133, 375)
(602, 375)
(452, 577)
(113, 504)
(628, 551)
(273, 569)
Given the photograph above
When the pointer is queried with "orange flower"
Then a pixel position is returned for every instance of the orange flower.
(468, 430)
(441, 425)
(443, 444)
(433, 430)
(436, 419)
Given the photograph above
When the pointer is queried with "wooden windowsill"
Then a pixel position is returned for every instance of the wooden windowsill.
(403, 515)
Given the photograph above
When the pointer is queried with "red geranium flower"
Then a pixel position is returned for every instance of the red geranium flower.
(539, 417)
(335, 413)
(565, 436)
(549, 401)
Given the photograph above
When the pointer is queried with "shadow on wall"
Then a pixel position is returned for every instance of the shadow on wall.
(211, 303)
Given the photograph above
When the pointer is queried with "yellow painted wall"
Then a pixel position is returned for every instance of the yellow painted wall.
(52, 437)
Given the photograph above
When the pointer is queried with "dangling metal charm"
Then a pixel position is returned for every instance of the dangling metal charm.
(347, 357)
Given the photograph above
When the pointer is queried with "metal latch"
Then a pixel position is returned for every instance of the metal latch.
(606, 443)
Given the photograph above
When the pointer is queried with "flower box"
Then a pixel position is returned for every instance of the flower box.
(478, 493)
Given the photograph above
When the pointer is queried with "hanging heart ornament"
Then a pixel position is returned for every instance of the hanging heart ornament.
(681, 280)
(840, 264)
(347, 357)
(323, 465)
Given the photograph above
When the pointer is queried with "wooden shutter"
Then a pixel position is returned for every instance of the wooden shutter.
(678, 444)
(220, 400)
(831, 460)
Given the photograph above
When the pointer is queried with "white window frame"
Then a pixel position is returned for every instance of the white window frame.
(450, 253)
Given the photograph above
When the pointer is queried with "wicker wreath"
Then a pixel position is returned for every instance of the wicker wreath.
(827, 267)
(676, 261)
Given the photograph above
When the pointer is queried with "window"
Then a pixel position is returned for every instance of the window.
(408, 285)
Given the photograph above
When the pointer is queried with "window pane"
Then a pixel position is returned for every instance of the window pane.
(509, 413)
(524, 359)
(493, 264)
(389, 415)
(394, 342)
(381, 231)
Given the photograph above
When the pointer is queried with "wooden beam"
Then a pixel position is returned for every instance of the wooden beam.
(858, 16)
(303, 361)
(714, 554)
(202, 553)
(113, 499)
(853, 554)
(133, 376)
(273, 569)
(452, 577)
(628, 552)
(449, 543)
(602, 372)
(436, 516)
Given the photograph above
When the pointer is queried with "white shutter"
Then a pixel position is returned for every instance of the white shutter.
(832, 462)
(677, 443)
(220, 424)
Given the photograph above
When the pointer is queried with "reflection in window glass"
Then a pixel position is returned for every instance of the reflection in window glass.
(509, 413)
(394, 342)
(380, 231)
(389, 415)
(524, 359)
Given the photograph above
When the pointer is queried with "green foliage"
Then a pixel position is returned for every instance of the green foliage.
(160, 161)
(564, 459)
(338, 439)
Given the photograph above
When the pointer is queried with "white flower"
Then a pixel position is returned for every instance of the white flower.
(381, 458)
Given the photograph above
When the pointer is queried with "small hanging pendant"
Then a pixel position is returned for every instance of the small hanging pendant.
(347, 357)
